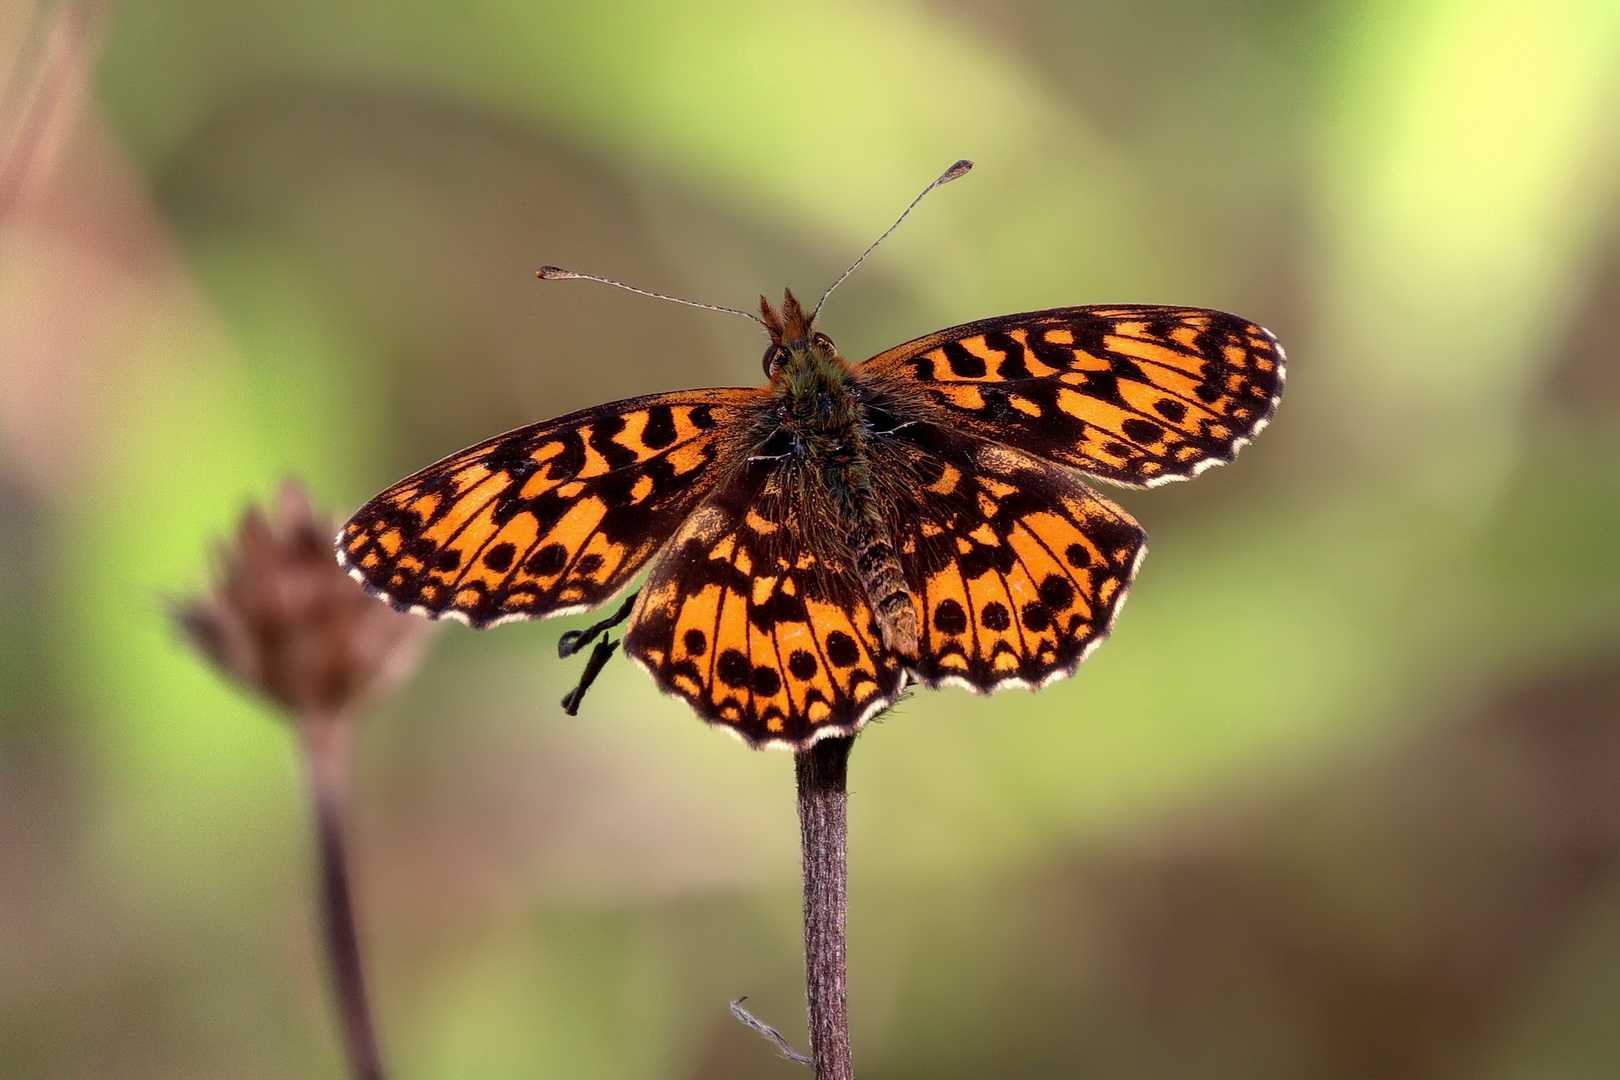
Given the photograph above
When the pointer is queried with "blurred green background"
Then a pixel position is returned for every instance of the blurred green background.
(1341, 798)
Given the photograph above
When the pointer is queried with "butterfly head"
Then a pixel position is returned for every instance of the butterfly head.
(795, 343)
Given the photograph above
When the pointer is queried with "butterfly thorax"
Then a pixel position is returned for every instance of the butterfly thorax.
(823, 420)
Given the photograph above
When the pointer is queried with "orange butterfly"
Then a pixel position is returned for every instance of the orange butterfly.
(817, 542)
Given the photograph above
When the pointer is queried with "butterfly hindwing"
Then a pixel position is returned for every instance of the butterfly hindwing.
(1137, 395)
(753, 616)
(1018, 568)
(550, 518)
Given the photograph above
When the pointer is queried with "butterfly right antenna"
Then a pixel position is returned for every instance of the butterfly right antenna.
(955, 172)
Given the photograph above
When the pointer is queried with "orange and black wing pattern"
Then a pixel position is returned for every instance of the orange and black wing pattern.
(754, 617)
(1137, 395)
(548, 519)
(1018, 568)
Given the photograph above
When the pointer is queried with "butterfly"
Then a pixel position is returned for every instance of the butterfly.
(815, 544)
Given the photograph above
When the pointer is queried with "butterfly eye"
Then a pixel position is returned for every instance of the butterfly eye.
(775, 357)
(824, 342)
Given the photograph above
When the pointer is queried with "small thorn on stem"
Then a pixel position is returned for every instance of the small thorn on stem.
(782, 1045)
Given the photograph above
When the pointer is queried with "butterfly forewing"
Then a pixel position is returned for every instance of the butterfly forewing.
(1137, 395)
(753, 616)
(549, 518)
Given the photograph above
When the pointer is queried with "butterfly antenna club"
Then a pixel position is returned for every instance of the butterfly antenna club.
(955, 172)
(557, 273)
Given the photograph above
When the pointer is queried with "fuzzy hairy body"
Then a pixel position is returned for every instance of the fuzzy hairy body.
(820, 419)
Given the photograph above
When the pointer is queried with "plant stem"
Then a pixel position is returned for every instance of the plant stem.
(328, 742)
(822, 771)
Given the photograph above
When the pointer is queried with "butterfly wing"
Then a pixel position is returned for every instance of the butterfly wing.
(1018, 568)
(1137, 395)
(551, 518)
(753, 615)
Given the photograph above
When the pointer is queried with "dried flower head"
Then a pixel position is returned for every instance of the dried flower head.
(285, 622)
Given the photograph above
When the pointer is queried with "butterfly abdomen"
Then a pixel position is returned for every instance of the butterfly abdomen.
(867, 529)
(892, 602)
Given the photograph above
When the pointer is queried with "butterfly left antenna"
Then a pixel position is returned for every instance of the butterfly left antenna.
(557, 273)
(955, 172)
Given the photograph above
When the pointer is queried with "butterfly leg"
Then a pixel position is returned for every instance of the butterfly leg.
(575, 640)
(593, 667)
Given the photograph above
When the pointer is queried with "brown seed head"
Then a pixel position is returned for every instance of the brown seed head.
(284, 621)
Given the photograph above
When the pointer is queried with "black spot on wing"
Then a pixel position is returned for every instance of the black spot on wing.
(1171, 410)
(1012, 365)
(1104, 386)
(1050, 353)
(766, 682)
(1036, 616)
(964, 364)
(842, 651)
(513, 457)
(734, 669)
(949, 618)
(548, 561)
(1142, 431)
(602, 440)
(660, 429)
(566, 464)
(995, 616)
